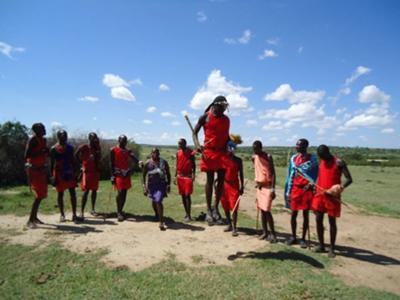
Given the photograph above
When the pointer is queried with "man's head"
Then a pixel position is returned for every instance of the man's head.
(301, 146)
(257, 147)
(155, 154)
(62, 136)
(93, 139)
(39, 129)
(182, 143)
(323, 152)
(219, 105)
(122, 141)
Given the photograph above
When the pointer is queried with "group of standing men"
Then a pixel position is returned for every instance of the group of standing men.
(308, 186)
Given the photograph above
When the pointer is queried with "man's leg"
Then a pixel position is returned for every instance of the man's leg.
(293, 222)
(189, 207)
(93, 198)
(156, 215)
(160, 211)
(119, 199)
(33, 216)
(123, 200)
(306, 225)
(184, 205)
(84, 200)
(228, 219)
(264, 225)
(333, 232)
(218, 192)
(60, 203)
(270, 220)
(234, 223)
(209, 191)
(72, 194)
(319, 219)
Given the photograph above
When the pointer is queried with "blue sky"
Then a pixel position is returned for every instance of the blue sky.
(327, 71)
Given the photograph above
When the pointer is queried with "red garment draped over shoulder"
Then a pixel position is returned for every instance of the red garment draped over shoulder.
(299, 198)
(184, 165)
(216, 135)
(231, 193)
(329, 174)
(121, 167)
(91, 174)
(38, 170)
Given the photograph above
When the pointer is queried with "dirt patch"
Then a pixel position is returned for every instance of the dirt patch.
(137, 244)
(368, 246)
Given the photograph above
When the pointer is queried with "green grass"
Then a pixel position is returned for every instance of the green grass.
(278, 274)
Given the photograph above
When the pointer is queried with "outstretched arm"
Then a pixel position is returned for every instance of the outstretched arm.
(200, 123)
(348, 179)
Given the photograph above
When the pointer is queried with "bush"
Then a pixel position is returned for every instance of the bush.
(13, 138)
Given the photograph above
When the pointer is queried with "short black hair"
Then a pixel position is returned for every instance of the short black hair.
(303, 141)
(258, 143)
(323, 149)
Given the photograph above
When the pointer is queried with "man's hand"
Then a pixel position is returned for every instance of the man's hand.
(112, 180)
(273, 195)
(241, 191)
(175, 180)
(52, 181)
(308, 187)
(258, 185)
(168, 189)
(145, 190)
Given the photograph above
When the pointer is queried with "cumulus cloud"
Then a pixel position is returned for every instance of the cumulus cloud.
(163, 87)
(136, 81)
(89, 99)
(167, 114)
(387, 130)
(244, 39)
(119, 87)
(147, 122)
(201, 16)
(251, 122)
(285, 92)
(376, 114)
(268, 53)
(216, 85)
(151, 109)
(357, 73)
(7, 49)
(273, 41)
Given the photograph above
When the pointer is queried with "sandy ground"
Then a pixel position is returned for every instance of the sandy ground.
(368, 245)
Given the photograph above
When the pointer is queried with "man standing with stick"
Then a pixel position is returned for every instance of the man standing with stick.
(216, 136)
(185, 174)
(233, 188)
(298, 190)
(327, 198)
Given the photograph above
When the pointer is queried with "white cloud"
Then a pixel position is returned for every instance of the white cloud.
(251, 122)
(121, 92)
(300, 50)
(151, 109)
(147, 122)
(377, 114)
(167, 114)
(357, 73)
(244, 39)
(112, 80)
(273, 41)
(136, 81)
(216, 85)
(163, 87)
(273, 125)
(387, 130)
(201, 16)
(372, 94)
(293, 138)
(7, 49)
(285, 92)
(176, 123)
(267, 53)
(89, 99)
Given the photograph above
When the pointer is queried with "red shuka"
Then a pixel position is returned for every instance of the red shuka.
(63, 183)
(216, 135)
(90, 169)
(38, 172)
(230, 194)
(121, 165)
(329, 174)
(299, 198)
(184, 165)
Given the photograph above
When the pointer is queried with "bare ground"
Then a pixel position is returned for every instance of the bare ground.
(368, 245)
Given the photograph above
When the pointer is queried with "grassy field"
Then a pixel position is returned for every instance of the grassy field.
(281, 272)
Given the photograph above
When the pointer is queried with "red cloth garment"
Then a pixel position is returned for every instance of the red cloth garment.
(38, 169)
(63, 169)
(121, 167)
(216, 135)
(329, 174)
(299, 198)
(90, 170)
(184, 165)
(231, 193)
